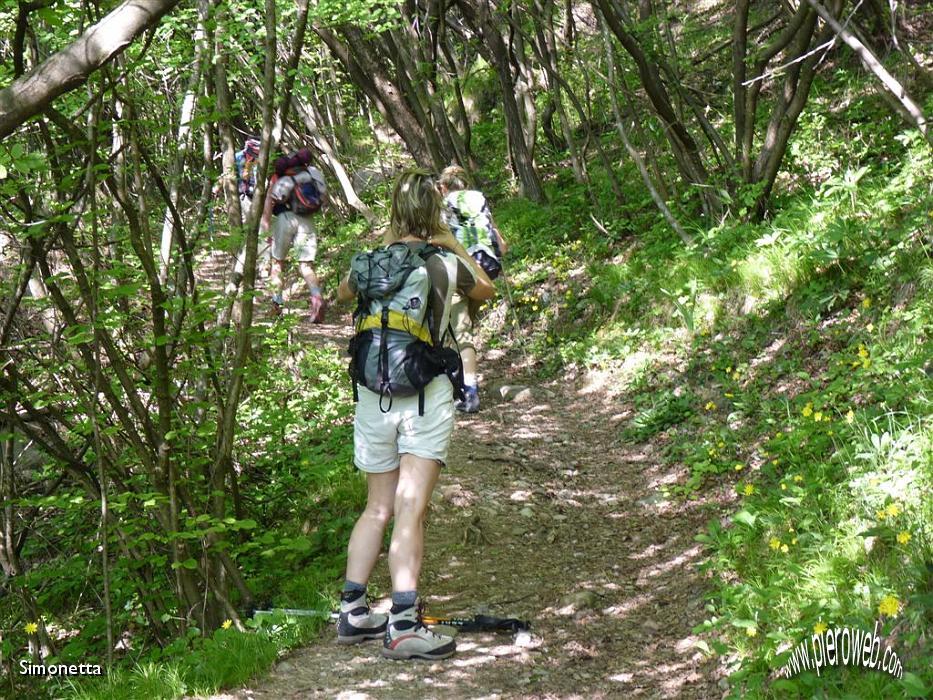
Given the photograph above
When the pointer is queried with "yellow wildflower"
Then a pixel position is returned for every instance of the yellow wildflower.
(903, 537)
(774, 543)
(784, 548)
(893, 510)
(794, 541)
(870, 327)
(31, 628)
(797, 477)
(226, 624)
(739, 467)
(866, 302)
(818, 416)
(889, 605)
(783, 486)
(735, 375)
(850, 417)
(862, 351)
(807, 410)
(728, 395)
(751, 631)
(881, 514)
(819, 627)
(749, 489)
(710, 406)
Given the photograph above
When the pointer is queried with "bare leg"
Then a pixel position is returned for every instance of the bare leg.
(468, 355)
(277, 277)
(310, 277)
(417, 477)
(366, 539)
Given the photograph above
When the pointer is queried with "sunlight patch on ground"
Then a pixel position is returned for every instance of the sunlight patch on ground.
(627, 607)
(622, 678)
(353, 695)
(681, 559)
(616, 379)
(477, 660)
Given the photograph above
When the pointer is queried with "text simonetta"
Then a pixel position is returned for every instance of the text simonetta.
(27, 668)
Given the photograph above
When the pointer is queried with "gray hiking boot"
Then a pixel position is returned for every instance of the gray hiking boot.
(406, 637)
(357, 624)
(470, 403)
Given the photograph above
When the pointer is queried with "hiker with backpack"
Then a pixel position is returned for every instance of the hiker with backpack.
(405, 371)
(468, 215)
(245, 161)
(296, 192)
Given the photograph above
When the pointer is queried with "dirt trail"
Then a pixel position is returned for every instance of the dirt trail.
(543, 514)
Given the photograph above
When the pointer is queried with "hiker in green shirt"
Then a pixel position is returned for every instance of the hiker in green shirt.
(468, 215)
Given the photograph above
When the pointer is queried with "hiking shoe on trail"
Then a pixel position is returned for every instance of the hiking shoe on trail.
(406, 637)
(317, 308)
(470, 403)
(357, 624)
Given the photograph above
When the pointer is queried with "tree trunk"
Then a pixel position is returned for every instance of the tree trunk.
(910, 110)
(371, 78)
(69, 68)
(529, 181)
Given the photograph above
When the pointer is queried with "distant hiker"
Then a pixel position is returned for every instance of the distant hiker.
(296, 192)
(468, 215)
(402, 364)
(245, 161)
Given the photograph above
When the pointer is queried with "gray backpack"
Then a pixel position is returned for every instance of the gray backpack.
(392, 352)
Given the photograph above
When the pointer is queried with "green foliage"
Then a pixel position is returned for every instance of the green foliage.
(372, 15)
(665, 410)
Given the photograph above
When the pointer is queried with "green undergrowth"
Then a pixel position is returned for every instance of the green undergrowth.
(785, 367)
(299, 498)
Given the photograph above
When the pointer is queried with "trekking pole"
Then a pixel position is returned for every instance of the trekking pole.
(296, 612)
(477, 623)
(480, 623)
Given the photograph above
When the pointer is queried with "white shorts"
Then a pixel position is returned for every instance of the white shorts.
(292, 231)
(380, 438)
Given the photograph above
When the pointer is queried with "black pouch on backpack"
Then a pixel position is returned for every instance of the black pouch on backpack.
(453, 368)
(423, 363)
(491, 266)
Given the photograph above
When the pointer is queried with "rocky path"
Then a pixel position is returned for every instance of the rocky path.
(543, 514)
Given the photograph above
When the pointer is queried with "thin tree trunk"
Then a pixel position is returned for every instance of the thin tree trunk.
(633, 153)
(529, 180)
(182, 149)
(371, 78)
(67, 69)
(306, 114)
(910, 110)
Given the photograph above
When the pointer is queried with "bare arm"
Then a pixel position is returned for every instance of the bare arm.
(484, 288)
(503, 246)
(344, 292)
(266, 219)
